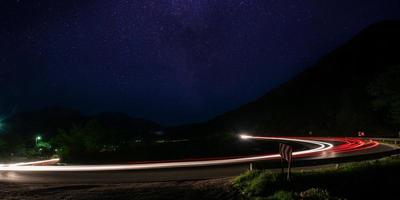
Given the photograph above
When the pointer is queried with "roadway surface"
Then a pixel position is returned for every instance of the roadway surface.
(317, 151)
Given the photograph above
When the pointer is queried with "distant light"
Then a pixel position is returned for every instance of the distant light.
(37, 140)
(244, 137)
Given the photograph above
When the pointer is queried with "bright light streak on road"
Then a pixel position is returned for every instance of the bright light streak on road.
(321, 146)
(42, 162)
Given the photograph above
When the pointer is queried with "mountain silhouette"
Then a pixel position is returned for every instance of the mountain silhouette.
(48, 122)
(328, 98)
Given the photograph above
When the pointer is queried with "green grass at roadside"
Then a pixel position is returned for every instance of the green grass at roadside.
(358, 180)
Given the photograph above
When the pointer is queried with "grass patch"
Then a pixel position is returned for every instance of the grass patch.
(375, 179)
(282, 195)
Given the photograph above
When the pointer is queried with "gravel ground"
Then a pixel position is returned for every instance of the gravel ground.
(199, 189)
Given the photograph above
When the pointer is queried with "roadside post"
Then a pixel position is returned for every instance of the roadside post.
(289, 169)
(286, 154)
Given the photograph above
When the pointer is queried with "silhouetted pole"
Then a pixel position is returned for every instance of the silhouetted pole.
(289, 168)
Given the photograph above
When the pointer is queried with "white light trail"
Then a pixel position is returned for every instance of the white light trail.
(42, 162)
(321, 146)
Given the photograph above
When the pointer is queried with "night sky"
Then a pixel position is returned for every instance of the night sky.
(171, 61)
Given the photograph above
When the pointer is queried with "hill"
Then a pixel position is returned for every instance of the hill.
(354, 88)
(333, 97)
(49, 121)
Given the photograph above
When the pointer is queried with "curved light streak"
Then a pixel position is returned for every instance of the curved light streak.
(321, 146)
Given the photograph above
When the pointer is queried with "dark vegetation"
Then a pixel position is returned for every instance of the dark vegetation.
(68, 128)
(354, 88)
(108, 138)
(363, 180)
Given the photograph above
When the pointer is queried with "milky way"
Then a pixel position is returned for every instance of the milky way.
(172, 61)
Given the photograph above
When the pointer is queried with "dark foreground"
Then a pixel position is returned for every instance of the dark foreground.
(375, 179)
(361, 180)
(200, 189)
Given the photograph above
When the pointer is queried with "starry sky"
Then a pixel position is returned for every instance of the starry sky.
(170, 61)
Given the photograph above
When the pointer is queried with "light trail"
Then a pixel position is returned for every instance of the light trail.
(42, 162)
(321, 146)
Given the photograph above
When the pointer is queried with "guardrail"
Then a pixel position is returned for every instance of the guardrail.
(387, 140)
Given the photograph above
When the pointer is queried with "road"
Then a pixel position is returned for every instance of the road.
(318, 151)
